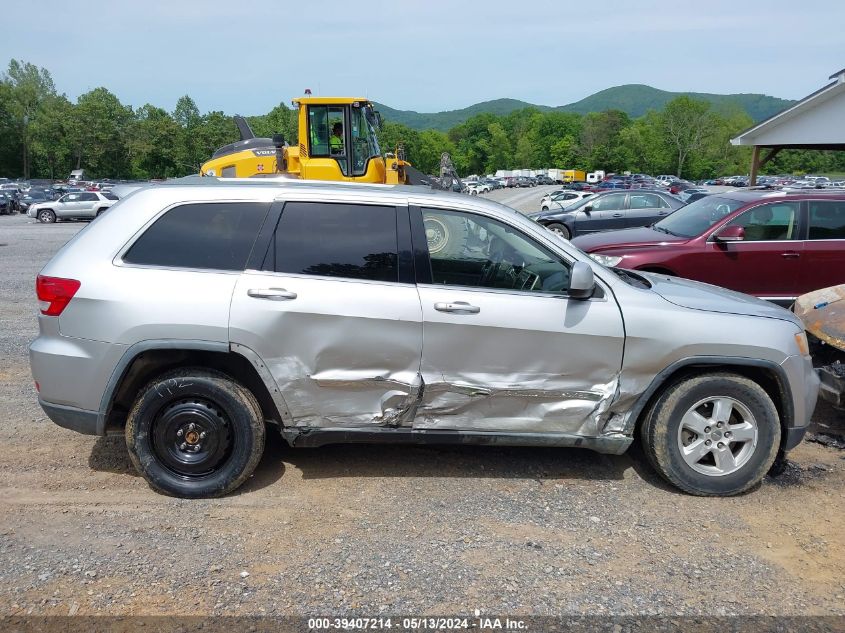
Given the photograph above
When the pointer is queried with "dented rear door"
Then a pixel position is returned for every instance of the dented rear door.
(335, 315)
(504, 348)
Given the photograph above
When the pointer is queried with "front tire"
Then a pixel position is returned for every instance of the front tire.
(560, 229)
(712, 435)
(195, 433)
(46, 216)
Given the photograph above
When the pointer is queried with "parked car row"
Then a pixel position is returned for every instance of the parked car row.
(49, 201)
(475, 185)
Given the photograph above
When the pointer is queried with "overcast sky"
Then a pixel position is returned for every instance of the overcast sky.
(430, 55)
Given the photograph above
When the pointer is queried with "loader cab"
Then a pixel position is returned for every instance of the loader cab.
(337, 140)
(352, 154)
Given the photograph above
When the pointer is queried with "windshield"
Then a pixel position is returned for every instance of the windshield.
(695, 218)
(364, 142)
(572, 208)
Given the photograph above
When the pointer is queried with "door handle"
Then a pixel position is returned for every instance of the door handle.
(790, 255)
(273, 294)
(618, 215)
(458, 307)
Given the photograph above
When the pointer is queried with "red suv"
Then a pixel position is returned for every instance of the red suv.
(773, 245)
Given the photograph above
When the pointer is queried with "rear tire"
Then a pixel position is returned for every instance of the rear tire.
(195, 433)
(683, 441)
(560, 229)
(46, 216)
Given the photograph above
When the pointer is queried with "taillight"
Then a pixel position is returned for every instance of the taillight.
(55, 293)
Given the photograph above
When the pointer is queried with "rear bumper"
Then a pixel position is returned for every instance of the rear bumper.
(78, 420)
(72, 373)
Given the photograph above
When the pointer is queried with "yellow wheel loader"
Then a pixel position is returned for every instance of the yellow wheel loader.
(337, 141)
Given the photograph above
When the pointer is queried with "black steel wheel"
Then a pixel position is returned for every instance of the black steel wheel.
(191, 437)
(195, 433)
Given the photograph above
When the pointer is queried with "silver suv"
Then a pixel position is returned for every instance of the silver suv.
(75, 205)
(192, 317)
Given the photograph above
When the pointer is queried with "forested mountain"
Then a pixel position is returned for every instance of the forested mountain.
(633, 99)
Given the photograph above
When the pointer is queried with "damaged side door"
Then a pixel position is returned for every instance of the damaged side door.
(504, 348)
(334, 313)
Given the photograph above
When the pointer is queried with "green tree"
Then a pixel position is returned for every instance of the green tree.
(280, 120)
(10, 132)
(188, 155)
(30, 87)
(563, 154)
(499, 148)
(150, 140)
(432, 146)
(215, 130)
(50, 131)
(600, 140)
(686, 123)
(644, 147)
(98, 134)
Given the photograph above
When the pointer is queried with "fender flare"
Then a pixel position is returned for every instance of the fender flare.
(716, 361)
(135, 350)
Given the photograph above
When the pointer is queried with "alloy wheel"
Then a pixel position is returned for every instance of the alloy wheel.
(717, 436)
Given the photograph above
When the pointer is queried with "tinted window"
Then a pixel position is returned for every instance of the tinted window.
(827, 220)
(769, 222)
(337, 240)
(110, 196)
(645, 201)
(470, 250)
(217, 236)
(613, 201)
(88, 197)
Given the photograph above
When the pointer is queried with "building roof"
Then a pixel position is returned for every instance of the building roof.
(815, 122)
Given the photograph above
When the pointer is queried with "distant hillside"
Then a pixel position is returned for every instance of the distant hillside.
(635, 99)
(446, 120)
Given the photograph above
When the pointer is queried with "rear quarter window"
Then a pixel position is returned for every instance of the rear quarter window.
(827, 220)
(213, 236)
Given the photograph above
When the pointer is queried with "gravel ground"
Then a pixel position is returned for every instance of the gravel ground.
(374, 530)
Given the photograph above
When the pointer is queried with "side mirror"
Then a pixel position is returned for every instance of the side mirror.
(582, 284)
(730, 234)
(588, 208)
